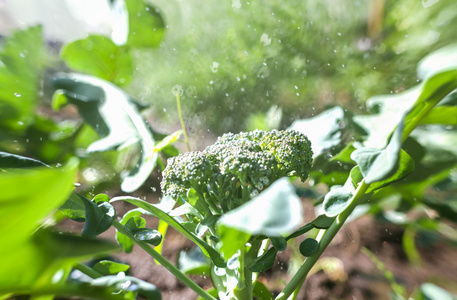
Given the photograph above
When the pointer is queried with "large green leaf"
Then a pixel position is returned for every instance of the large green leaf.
(8, 160)
(274, 212)
(20, 69)
(430, 291)
(434, 89)
(414, 104)
(162, 215)
(446, 115)
(405, 167)
(146, 26)
(329, 133)
(114, 116)
(437, 61)
(27, 197)
(377, 165)
(97, 55)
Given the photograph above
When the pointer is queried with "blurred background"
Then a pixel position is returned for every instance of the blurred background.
(236, 61)
(242, 65)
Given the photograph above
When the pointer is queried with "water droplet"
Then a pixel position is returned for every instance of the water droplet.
(214, 66)
(17, 95)
(177, 90)
(265, 39)
(126, 284)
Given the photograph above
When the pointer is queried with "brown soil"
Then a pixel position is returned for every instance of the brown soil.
(351, 275)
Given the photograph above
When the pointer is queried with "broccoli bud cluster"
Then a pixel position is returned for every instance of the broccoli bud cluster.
(238, 166)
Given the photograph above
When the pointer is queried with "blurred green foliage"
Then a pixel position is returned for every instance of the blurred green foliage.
(236, 58)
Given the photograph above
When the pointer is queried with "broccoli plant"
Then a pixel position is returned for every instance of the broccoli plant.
(237, 168)
(235, 199)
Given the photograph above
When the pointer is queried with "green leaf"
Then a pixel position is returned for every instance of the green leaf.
(146, 26)
(336, 201)
(113, 115)
(434, 89)
(157, 212)
(345, 154)
(279, 243)
(74, 208)
(308, 247)
(261, 292)
(167, 141)
(101, 198)
(97, 55)
(125, 242)
(274, 212)
(99, 217)
(429, 291)
(437, 61)
(376, 165)
(8, 160)
(148, 235)
(20, 71)
(446, 115)
(322, 222)
(128, 283)
(405, 167)
(232, 240)
(265, 261)
(107, 267)
(329, 133)
(27, 197)
(204, 224)
(135, 223)
(58, 245)
(193, 262)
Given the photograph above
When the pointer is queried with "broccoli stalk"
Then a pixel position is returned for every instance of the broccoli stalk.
(237, 168)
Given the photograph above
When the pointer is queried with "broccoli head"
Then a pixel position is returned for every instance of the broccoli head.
(238, 166)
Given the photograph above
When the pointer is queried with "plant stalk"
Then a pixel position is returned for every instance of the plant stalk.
(165, 263)
(87, 270)
(181, 120)
(298, 279)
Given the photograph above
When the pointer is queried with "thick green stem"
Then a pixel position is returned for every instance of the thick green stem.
(165, 263)
(327, 237)
(87, 270)
(244, 289)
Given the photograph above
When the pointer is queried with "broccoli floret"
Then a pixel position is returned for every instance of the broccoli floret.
(185, 171)
(238, 166)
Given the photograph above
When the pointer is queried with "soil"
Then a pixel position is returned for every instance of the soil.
(345, 272)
